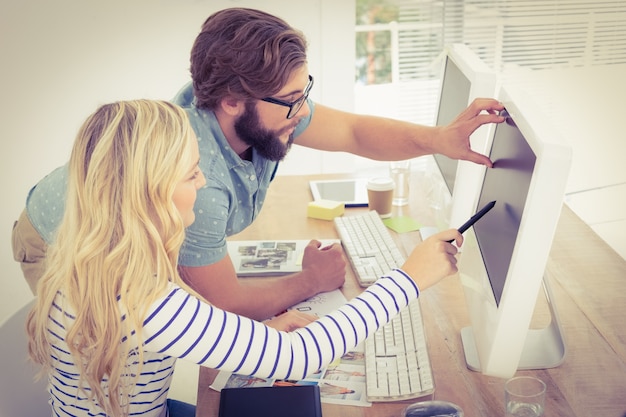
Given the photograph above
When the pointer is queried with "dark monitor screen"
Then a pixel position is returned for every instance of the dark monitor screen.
(507, 183)
(455, 91)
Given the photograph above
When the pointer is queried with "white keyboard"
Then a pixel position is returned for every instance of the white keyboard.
(369, 246)
(397, 364)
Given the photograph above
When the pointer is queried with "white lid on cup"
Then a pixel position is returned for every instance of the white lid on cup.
(380, 184)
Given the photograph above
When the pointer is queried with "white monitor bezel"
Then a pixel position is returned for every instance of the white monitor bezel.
(483, 83)
(500, 331)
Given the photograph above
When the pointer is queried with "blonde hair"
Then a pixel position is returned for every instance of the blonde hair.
(117, 247)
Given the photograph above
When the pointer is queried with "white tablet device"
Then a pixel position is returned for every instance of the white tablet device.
(351, 192)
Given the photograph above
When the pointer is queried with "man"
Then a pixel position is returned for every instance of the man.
(248, 103)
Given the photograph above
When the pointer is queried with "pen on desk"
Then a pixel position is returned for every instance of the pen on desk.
(475, 218)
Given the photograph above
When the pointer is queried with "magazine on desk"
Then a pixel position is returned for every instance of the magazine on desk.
(341, 382)
(269, 257)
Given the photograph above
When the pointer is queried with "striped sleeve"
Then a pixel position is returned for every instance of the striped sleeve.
(182, 326)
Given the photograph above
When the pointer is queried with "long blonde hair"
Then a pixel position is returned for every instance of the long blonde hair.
(117, 246)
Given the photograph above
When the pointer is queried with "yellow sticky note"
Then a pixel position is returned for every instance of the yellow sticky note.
(325, 209)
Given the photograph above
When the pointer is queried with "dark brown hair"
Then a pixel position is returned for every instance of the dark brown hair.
(244, 53)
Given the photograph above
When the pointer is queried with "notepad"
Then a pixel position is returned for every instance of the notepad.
(289, 401)
(269, 257)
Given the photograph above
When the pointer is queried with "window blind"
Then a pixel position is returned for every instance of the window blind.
(505, 34)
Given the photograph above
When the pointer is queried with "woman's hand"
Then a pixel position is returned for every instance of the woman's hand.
(433, 259)
(290, 320)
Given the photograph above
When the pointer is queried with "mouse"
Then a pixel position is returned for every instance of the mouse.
(433, 408)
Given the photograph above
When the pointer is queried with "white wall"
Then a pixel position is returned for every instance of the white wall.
(61, 59)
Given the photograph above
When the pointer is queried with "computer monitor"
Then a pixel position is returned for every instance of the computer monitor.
(505, 254)
(464, 78)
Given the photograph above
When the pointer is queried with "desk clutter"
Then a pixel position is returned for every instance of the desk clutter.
(575, 388)
(392, 365)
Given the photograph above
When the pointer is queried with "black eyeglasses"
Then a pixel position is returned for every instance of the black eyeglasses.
(294, 106)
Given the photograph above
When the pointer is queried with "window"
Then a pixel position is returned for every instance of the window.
(397, 60)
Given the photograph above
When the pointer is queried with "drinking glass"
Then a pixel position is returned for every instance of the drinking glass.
(400, 171)
(524, 396)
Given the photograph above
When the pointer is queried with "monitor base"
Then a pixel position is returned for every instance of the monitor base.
(544, 348)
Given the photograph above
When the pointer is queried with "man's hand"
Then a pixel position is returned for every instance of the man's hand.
(326, 266)
(454, 139)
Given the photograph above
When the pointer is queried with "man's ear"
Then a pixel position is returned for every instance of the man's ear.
(232, 106)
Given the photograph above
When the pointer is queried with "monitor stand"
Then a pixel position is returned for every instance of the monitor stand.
(544, 348)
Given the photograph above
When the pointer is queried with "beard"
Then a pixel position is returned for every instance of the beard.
(266, 142)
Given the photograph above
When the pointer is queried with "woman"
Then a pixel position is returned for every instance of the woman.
(113, 314)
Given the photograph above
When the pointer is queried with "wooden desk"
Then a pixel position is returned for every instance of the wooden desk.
(589, 284)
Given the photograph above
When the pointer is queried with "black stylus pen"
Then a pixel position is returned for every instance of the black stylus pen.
(475, 218)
